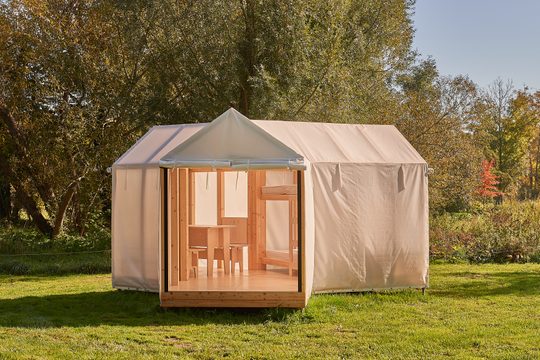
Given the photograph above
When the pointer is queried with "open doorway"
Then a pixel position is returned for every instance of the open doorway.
(232, 231)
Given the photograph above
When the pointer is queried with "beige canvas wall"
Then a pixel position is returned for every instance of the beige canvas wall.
(366, 206)
(136, 228)
(371, 226)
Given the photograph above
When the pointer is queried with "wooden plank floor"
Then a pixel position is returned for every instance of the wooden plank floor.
(249, 280)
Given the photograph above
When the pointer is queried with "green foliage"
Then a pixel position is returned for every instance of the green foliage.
(85, 79)
(16, 240)
(20, 249)
(434, 113)
(499, 233)
(94, 263)
(81, 81)
(81, 316)
(505, 128)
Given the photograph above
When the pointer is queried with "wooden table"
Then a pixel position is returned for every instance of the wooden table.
(212, 237)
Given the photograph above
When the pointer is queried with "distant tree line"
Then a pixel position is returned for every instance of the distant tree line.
(81, 80)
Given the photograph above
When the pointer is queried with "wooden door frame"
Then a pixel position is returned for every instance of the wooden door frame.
(218, 299)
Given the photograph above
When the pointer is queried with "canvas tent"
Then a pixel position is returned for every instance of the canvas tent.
(359, 219)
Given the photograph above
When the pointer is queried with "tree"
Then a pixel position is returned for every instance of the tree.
(436, 112)
(80, 80)
(526, 110)
(488, 181)
(312, 60)
(505, 128)
(66, 89)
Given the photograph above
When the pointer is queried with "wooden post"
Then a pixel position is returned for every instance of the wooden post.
(191, 197)
(173, 221)
(301, 223)
(164, 242)
(293, 227)
(252, 258)
(220, 196)
(183, 227)
(261, 219)
(256, 220)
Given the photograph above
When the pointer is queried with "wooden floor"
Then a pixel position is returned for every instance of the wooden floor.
(249, 280)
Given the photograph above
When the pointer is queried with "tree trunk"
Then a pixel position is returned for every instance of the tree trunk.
(5, 198)
(247, 53)
(33, 210)
(19, 144)
(536, 189)
(27, 202)
(62, 208)
(531, 178)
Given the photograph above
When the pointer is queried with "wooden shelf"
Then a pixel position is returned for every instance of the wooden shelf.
(280, 192)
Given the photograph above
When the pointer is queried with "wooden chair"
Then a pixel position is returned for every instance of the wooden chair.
(237, 243)
(194, 254)
(238, 240)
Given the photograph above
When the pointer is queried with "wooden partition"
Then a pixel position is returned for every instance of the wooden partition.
(256, 220)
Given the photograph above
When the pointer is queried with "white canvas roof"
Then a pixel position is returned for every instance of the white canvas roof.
(228, 140)
(157, 142)
(232, 141)
(345, 143)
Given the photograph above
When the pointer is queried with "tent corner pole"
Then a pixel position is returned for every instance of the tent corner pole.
(300, 223)
(165, 216)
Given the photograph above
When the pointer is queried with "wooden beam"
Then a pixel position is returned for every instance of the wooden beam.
(173, 227)
(163, 245)
(220, 196)
(211, 169)
(301, 227)
(234, 299)
(261, 219)
(183, 227)
(191, 197)
(278, 197)
(256, 220)
(277, 262)
(293, 225)
(251, 225)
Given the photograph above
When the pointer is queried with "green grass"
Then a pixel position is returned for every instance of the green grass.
(471, 311)
(56, 264)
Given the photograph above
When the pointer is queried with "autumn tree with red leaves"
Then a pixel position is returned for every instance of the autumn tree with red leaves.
(489, 181)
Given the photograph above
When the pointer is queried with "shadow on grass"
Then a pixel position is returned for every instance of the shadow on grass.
(131, 308)
(472, 284)
(120, 308)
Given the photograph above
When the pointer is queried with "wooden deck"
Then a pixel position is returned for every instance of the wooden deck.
(249, 280)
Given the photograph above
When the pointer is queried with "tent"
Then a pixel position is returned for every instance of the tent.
(313, 207)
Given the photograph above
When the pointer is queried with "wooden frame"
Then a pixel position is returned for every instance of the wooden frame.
(289, 193)
(164, 241)
(256, 220)
(179, 198)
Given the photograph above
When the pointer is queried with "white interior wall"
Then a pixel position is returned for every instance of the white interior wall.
(236, 199)
(205, 198)
(236, 194)
(277, 213)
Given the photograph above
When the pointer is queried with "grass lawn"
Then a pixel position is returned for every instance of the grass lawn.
(471, 311)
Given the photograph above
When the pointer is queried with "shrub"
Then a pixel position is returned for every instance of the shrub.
(489, 233)
(17, 243)
(14, 268)
(14, 240)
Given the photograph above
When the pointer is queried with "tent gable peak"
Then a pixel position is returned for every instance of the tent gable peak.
(232, 141)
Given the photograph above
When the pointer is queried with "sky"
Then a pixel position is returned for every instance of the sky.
(484, 39)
